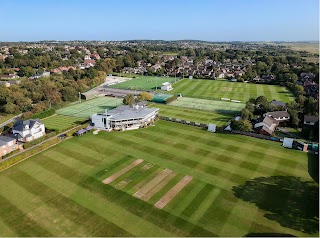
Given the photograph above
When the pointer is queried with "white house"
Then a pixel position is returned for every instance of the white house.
(36, 76)
(28, 130)
(166, 86)
(279, 116)
(124, 118)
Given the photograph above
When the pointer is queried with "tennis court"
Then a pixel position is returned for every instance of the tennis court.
(86, 108)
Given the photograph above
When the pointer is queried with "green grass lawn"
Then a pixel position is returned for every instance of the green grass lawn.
(240, 186)
(5, 117)
(216, 89)
(195, 115)
(144, 83)
(86, 108)
(61, 122)
(226, 107)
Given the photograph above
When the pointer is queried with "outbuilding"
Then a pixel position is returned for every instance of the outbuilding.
(166, 86)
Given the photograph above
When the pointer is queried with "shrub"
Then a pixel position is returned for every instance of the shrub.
(241, 125)
(168, 100)
(26, 154)
(44, 114)
(39, 140)
(11, 153)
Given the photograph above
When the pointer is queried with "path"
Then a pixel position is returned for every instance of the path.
(12, 119)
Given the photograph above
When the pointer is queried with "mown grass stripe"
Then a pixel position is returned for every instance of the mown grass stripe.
(92, 201)
(6, 230)
(182, 158)
(20, 222)
(128, 202)
(194, 205)
(129, 175)
(185, 197)
(165, 189)
(204, 205)
(146, 176)
(195, 162)
(73, 211)
(48, 217)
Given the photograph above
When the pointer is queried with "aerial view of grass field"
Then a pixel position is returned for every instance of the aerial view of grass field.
(61, 122)
(195, 115)
(165, 180)
(221, 106)
(86, 108)
(145, 83)
(221, 88)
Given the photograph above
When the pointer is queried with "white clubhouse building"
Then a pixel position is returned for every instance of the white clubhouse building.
(124, 118)
(166, 86)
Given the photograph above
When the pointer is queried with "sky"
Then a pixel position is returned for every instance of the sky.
(210, 20)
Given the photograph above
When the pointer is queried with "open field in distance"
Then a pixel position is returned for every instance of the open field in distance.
(221, 88)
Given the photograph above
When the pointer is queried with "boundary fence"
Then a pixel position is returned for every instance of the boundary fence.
(259, 136)
(191, 123)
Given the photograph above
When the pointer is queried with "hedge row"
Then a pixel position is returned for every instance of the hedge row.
(168, 100)
(39, 140)
(44, 114)
(28, 153)
(11, 154)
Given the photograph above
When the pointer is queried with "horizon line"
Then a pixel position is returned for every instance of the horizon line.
(219, 41)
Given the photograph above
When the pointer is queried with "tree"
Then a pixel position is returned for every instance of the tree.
(144, 96)
(23, 103)
(294, 118)
(69, 94)
(245, 114)
(11, 108)
(241, 125)
(128, 99)
(250, 107)
(262, 100)
(26, 71)
(311, 107)
(262, 104)
(261, 67)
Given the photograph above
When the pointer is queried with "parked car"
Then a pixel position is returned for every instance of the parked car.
(62, 136)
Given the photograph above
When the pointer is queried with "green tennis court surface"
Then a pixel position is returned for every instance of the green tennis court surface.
(86, 108)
